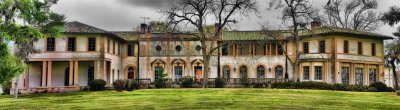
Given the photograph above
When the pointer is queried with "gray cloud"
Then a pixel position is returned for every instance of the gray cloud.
(147, 3)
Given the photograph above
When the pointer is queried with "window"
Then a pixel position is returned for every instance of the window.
(273, 49)
(158, 48)
(278, 72)
(157, 70)
(227, 72)
(239, 49)
(108, 45)
(346, 46)
(243, 71)
(280, 49)
(131, 49)
(71, 44)
(260, 71)
(198, 72)
(131, 73)
(178, 72)
(92, 44)
(178, 48)
(306, 73)
(345, 75)
(198, 48)
(318, 73)
(373, 50)
(305, 47)
(372, 75)
(359, 48)
(321, 46)
(359, 76)
(90, 74)
(50, 44)
(225, 50)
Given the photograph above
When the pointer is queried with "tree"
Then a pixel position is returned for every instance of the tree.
(296, 12)
(38, 21)
(392, 17)
(355, 14)
(159, 26)
(198, 12)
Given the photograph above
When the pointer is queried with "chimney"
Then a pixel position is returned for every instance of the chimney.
(315, 24)
(216, 25)
(143, 28)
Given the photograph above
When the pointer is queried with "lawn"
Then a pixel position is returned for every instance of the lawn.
(248, 98)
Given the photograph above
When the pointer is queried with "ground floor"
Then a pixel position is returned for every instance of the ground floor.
(224, 98)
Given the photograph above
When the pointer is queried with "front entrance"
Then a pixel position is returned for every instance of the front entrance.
(198, 72)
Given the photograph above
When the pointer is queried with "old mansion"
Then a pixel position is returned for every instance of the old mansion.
(85, 53)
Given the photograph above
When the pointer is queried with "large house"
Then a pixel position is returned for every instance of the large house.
(85, 53)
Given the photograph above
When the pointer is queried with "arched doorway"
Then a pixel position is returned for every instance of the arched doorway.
(260, 71)
(243, 71)
(131, 73)
(226, 72)
(90, 74)
(66, 76)
(278, 71)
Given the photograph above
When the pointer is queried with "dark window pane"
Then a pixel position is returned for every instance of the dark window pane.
(360, 51)
(71, 44)
(345, 75)
(50, 44)
(306, 72)
(131, 49)
(305, 47)
(321, 46)
(373, 50)
(346, 46)
(92, 44)
(318, 73)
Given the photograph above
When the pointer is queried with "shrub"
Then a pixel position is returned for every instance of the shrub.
(219, 83)
(119, 85)
(258, 85)
(97, 84)
(379, 86)
(322, 86)
(160, 82)
(131, 85)
(244, 80)
(187, 82)
(6, 87)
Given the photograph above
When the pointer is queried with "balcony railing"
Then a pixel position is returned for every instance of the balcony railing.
(212, 80)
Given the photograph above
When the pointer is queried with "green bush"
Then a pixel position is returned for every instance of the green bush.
(379, 86)
(97, 84)
(321, 86)
(119, 85)
(258, 85)
(244, 80)
(219, 83)
(6, 87)
(187, 82)
(131, 85)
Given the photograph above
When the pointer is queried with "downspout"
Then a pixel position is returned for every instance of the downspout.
(218, 62)
(137, 59)
(286, 65)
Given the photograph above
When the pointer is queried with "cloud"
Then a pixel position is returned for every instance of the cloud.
(147, 3)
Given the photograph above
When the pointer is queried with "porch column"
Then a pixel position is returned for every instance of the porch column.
(49, 69)
(71, 72)
(76, 72)
(96, 69)
(44, 73)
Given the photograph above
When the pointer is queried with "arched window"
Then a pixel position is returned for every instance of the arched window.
(226, 72)
(278, 72)
(243, 71)
(90, 74)
(66, 77)
(131, 74)
(260, 71)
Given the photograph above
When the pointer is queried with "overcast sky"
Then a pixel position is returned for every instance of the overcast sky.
(123, 15)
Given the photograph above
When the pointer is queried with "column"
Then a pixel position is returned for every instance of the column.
(49, 72)
(96, 71)
(76, 72)
(365, 74)
(71, 72)
(44, 73)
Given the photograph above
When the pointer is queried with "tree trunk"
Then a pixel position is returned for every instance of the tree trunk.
(396, 84)
(16, 87)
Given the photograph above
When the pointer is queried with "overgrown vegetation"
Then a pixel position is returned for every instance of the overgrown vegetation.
(6, 86)
(131, 85)
(97, 84)
(119, 85)
(244, 80)
(160, 81)
(219, 83)
(187, 82)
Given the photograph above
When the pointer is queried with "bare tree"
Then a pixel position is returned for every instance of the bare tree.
(198, 12)
(354, 14)
(296, 12)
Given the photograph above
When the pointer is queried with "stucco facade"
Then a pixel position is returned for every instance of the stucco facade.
(99, 54)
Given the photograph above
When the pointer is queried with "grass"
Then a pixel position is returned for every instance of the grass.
(206, 99)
